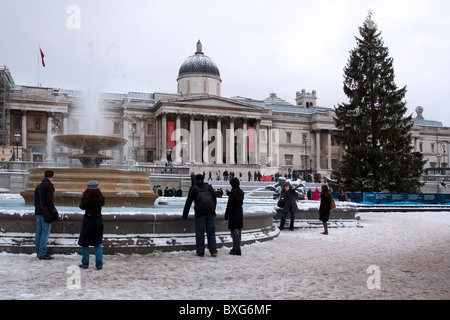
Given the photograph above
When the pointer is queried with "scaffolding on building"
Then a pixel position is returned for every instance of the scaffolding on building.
(6, 83)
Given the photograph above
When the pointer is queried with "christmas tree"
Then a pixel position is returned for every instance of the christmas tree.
(373, 129)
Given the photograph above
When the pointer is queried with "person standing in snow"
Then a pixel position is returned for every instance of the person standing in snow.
(205, 214)
(325, 208)
(45, 212)
(92, 226)
(235, 214)
(290, 205)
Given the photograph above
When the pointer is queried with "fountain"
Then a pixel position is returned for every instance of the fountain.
(120, 187)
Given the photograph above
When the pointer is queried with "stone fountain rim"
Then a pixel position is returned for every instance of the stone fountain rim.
(113, 142)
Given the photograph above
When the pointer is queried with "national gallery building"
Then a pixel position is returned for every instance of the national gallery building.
(196, 126)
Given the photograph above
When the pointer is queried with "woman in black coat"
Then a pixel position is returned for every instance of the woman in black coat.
(92, 227)
(290, 205)
(235, 215)
(325, 207)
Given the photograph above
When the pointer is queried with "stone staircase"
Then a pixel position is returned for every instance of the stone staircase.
(254, 189)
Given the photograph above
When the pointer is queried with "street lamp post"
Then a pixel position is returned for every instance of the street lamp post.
(17, 137)
(306, 156)
(133, 131)
(443, 149)
(439, 162)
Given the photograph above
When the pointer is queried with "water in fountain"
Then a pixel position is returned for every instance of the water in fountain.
(91, 108)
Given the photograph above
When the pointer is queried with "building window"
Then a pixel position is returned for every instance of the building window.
(150, 130)
(288, 159)
(116, 128)
(150, 156)
(263, 135)
(288, 137)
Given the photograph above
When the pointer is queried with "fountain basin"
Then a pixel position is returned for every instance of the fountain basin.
(91, 145)
(129, 233)
(90, 142)
(120, 187)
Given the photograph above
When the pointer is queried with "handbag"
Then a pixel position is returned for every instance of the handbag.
(49, 217)
(281, 203)
(332, 204)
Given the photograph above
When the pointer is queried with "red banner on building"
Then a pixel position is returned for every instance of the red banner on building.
(251, 139)
(170, 130)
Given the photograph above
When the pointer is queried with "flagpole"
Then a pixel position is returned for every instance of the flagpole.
(39, 55)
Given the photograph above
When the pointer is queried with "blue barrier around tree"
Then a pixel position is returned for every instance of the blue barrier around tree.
(395, 198)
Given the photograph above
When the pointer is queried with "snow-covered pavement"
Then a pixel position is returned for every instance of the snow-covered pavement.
(407, 254)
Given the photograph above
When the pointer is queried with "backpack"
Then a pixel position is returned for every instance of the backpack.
(204, 202)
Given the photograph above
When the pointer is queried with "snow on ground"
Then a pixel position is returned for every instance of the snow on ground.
(410, 249)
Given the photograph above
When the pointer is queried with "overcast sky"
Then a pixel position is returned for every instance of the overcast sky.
(259, 46)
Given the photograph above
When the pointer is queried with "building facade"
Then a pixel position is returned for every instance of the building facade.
(197, 126)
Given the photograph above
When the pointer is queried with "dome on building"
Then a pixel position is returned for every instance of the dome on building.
(199, 64)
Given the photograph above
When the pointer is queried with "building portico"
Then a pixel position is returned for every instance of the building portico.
(208, 130)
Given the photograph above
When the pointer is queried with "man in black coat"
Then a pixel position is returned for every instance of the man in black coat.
(235, 214)
(205, 214)
(290, 205)
(43, 203)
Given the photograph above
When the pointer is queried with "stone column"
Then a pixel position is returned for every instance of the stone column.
(65, 130)
(49, 147)
(269, 145)
(230, 150)
(317, 150)
(65, 123)
(164, 137)
(176, 152)
(191, 139)
(125, 147)
(244, 141)
(219, 141)
(329, 150)
(24, 132)
(205, 140)
(198, 141)
(257, 153)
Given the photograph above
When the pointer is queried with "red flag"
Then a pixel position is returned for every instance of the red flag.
(42, 57)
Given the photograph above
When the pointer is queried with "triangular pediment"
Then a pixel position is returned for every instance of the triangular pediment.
(208, 104)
